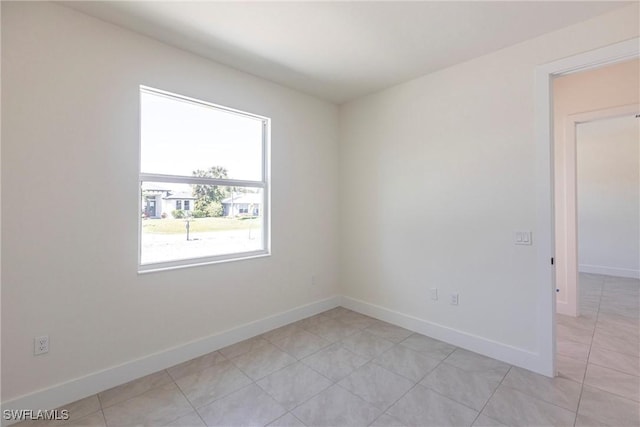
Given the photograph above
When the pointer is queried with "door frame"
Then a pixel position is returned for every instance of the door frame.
(571, 307)
(543, 112)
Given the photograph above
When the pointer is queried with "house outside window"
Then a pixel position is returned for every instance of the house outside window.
(204, 170)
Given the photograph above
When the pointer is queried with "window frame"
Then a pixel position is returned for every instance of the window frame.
(263, 184)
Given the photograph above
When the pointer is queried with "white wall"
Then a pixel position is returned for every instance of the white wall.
(608, 178)
(70, 153)
(456, 150)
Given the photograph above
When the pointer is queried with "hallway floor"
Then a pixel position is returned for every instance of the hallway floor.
(341, 368)
(600, 350)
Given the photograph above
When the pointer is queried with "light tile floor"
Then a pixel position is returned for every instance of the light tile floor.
(341, 368)
(600, 351)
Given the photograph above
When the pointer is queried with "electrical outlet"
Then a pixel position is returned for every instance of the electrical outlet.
(454, 299)
(314, 280)
(41, 345)
(434, 294)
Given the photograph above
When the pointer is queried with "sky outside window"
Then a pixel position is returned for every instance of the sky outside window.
(178, 137)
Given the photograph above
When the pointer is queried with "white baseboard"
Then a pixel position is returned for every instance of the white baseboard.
(609, 271)
(506, 353)
(564, 308)
(70, 391)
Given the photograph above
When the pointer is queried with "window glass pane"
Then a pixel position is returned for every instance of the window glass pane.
(222, 220)
(179, 137)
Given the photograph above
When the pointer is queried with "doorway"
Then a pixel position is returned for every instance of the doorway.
(608, 195)
(606, 179)
(579, 98)
(545, 76)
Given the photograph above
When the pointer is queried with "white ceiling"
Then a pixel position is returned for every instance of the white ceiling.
(339, 51)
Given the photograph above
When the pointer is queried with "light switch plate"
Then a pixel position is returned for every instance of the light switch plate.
(454, 299)
(522, 238)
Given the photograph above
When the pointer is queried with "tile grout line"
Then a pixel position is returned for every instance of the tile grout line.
(392, 404)
(339, 342)
(100, 403)
(369, 360)
(417, 383)
(219, 397)
(613, 368)
(305, 400)
(541, 399)
(491, 397)
(584, 377)
(450, 398)
(187, 399)
(102, 408)
(637, 402)
(411, 350)
(333, 383)
(444, 361)
(104, 419)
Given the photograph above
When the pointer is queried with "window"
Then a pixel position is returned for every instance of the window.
(212, 161)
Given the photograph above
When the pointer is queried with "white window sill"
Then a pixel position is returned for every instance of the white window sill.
(197, 262)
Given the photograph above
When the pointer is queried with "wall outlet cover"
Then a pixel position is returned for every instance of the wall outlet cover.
(454, 299)
(41, 345)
